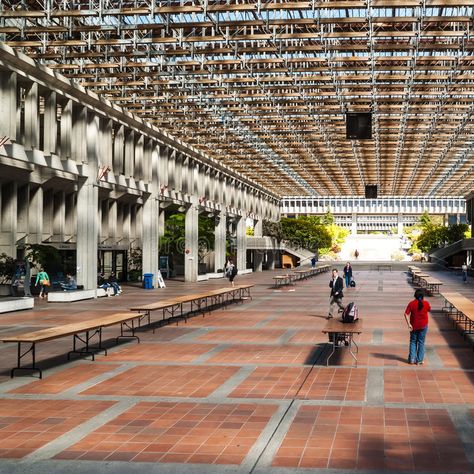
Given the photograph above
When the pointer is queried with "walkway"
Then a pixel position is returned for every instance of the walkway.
(245, 390)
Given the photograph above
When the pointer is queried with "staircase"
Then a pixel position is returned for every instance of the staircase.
(442, 254)
(269, 243)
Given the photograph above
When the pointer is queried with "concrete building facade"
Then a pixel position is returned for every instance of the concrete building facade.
(80, 174)
(383, 214)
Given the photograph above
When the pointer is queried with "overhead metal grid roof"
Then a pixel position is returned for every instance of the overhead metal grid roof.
(263, 87)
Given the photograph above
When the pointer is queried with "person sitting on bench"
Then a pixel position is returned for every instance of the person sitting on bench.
(112, 281)
(70, 283)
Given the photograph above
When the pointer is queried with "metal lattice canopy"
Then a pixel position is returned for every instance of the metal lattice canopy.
(263, 86)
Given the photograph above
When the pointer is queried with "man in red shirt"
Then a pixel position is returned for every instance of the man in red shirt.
(416, 316)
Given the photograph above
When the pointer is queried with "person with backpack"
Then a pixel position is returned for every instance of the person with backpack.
(348, 274)
(416, 317)
(231, 271)
(336, 284)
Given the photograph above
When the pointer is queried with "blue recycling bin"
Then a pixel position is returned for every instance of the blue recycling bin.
(148, 281)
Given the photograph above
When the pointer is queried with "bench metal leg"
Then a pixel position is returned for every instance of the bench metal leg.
(86, 350)
(20, 356)
(131, 327)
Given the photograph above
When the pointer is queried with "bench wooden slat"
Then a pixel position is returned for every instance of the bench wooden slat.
(57, 332)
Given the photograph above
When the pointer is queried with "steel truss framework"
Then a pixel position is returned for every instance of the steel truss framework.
(262, 86)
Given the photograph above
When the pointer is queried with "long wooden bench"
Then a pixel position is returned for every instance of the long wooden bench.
(199, 302)
(461, 309)
(281, 280)
(432, 285)
(82, 332)
(301, 274)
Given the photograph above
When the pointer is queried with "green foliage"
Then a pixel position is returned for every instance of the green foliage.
(7, 268)
(51, 259)
(328, 218)
(430, 233)
(272, 229)
(173, 240)
(457, 232)
(135, 264)
(250, 231)
(305, 232)
(338, 236)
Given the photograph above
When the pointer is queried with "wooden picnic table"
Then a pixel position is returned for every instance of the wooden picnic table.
(82, 332)
(199, 302)
(336, 329)
(432, 285)
(461, 309)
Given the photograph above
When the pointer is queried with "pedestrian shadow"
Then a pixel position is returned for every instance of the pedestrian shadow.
(314, 356)
(393, 357)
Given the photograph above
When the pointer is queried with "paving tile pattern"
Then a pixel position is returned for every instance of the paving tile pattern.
(26, 425)
(164, 381)
(372, 438)
(304, 383)
(247, 385)
(429, 386)
(170, 432)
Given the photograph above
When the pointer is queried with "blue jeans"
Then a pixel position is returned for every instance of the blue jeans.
(348, 280)
(417, 345)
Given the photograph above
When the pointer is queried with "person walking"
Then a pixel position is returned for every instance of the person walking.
(356, 254)
(348, 274)
(231, 271)
(416, 317)
(464, 272)
(313, 262)
(43, 279)
(336, 284)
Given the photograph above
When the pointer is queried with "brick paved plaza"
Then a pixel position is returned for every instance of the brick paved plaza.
(245, 389)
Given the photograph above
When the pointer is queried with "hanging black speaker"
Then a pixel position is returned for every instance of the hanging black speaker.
(371, 191)
(359, 125)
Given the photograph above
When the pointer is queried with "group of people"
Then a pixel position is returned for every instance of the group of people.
(416, 313)
(70, 284)
(110, 282)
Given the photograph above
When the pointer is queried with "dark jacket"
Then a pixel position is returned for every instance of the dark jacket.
(337, 290)
(348, 271)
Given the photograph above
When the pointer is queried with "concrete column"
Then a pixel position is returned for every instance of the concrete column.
(191, 241)
(150, 233)
(113, 219)
(69, 133)
(400, 224)
(8, 218)
(31, 117)
(258, 254)
(151, 223)
(59, 216)
(354, 224)
(241, 244)
(220, 241)
(35, 221)
(163, 165)
(270, 259)
(70, 223)
(87, 211)
(80, 140)
(8, 93)
(118, 164)
(130, 153)
(23, 210)
(172, 169)
(50, 123)
(161, 223)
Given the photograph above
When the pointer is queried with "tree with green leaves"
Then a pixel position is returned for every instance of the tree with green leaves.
(172, 242)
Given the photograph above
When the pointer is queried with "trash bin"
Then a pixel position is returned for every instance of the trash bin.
(148, 281)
